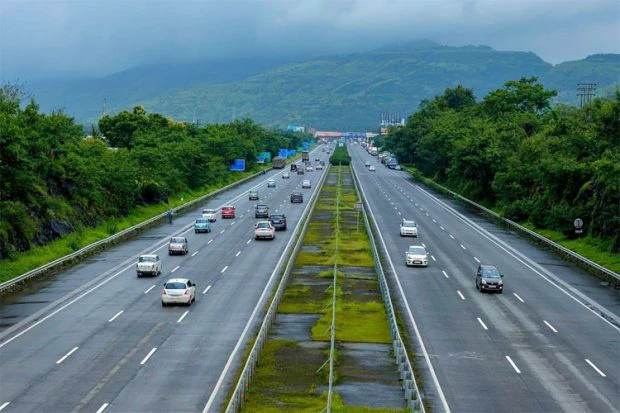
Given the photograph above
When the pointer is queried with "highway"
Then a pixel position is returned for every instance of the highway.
(541, 346)
(96, 338)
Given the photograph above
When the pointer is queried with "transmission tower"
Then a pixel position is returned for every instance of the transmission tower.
(585, 92)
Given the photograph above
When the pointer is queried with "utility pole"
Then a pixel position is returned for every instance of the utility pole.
(585, 92)
(103, 108)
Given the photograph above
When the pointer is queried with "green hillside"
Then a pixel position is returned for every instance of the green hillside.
(350, 91)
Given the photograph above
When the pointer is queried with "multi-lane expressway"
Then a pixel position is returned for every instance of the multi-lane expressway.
(543, 345)
(96, 338)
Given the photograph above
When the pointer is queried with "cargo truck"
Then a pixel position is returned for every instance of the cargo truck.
(305, 156)
(278, 162)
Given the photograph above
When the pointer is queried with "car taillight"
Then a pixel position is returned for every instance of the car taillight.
(186, 292)
(163, 292)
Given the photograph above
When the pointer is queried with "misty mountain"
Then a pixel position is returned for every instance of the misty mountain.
(346, 91)
(84, 98)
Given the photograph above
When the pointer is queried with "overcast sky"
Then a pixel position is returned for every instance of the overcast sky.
(96, 37)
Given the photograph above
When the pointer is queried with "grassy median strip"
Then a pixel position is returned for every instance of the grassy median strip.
(292, 374)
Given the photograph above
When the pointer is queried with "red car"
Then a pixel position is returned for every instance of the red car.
(228, 211)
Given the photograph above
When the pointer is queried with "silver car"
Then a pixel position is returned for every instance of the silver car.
(408, 228)
(178, 245)
(178, 291)
(416, 255)
(149, 264)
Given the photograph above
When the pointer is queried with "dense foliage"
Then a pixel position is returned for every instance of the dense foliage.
(53, 179)
(514, 151)
(340, 156)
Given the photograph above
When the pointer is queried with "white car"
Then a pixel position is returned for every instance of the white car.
(210, 214)
(319, 167)
(148, 265)
(367, 164)
(306, 184)
(372, 168)
(416, 255)
(408, 228)
(178, 245)
(285, 175)
(309, 168)
(178, 291)
(264, 229)
(271, 183)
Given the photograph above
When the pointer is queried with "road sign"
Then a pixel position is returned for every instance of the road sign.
(578, 223)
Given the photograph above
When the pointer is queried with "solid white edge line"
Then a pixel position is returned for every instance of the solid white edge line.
(194, 253)
(482, 323)
(512, 363)
(460, 295)
(174, 269)
(250, 321)
(148, 356)
(442, 396)
(150, 288)
(224, 269)
(595, 368)
(446, 274)
(206, 289)
(183, 316)
(550, 326)
(116, 315)
(63, 358)
(518, 298)
(4, 405)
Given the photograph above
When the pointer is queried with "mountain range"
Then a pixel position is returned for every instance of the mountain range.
(344, 92)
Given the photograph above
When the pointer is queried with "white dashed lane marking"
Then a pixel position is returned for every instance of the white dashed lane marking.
(63, 358)
(101, 409)
(595, 368)
(445, 274)
(194, 253)
(482, 323)
(224, 269)
(550, 326)
(238, 253)
(514, 366)
(183, 316)
(460, 295)
(518, 298)
(148, 356)
(175, 268)
(149, 289)
(206, 289)
(116, 315)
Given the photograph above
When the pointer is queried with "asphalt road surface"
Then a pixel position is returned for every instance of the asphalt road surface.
(541, 346)
(96, 338)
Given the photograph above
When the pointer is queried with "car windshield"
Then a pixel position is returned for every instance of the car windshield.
(146, 259)
(201, 221)
(227, 208)
(253, 192)
(261, 206)
(417, 250)
(208, 211)
(490, 273)
(277, 217)
(177, 240)
(408, 224)
(175, 286)
(262, 225)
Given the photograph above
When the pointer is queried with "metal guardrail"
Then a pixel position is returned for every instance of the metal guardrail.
(612, 276)
(407, 376)
(238, 396)
(330, 388)
(113, 238)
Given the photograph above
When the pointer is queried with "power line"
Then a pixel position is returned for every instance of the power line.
(585, 92)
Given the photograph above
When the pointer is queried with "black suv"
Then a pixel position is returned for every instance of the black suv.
(297, 197)
(278, 221)
(261, 211)
(488, 278)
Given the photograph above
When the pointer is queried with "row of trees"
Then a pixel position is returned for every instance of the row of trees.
(54, 179)
(513, 150)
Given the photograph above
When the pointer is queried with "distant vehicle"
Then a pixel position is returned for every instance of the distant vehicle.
(261, 211)
(228, 211)
(178, 291)
(319, 167)
(408, 228)
(367, 164)
(297, 197)
(264, 229)
(278, 162)
(271, 183)
(253, 196)
(178, 245)
(416, 255)
(210, 214)
(305, 156)
(309, 168)
(278, 221)
(392, 163)
(202, 225)
(373, 151)
(148, 265)
(306, 184)
(317, 159)
(293, 167)
(488, 278)
(372, 168)
(285, 175)
(300, 171)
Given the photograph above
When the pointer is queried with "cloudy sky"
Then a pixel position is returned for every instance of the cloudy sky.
(96, 37)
